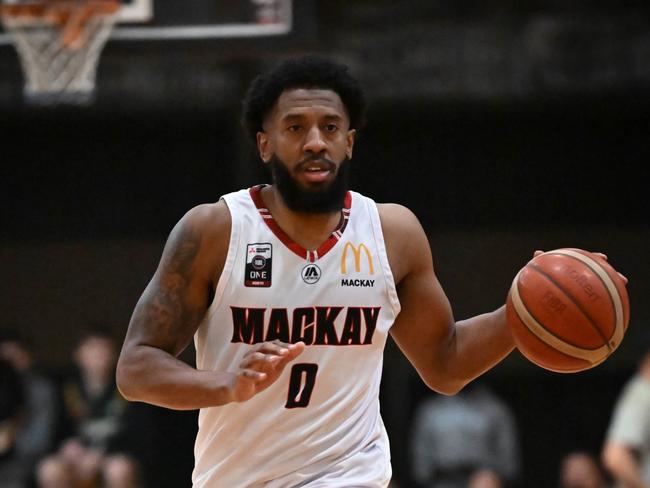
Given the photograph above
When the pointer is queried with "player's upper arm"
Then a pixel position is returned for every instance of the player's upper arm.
(423, 329)
(177, 297)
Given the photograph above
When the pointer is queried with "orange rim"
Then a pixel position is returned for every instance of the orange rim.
(39, 9)
(72, 16)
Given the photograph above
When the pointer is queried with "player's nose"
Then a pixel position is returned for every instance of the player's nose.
(314, 141)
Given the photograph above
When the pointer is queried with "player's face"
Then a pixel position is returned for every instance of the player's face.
(307, 137)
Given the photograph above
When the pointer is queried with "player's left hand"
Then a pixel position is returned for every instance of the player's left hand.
(261, 366)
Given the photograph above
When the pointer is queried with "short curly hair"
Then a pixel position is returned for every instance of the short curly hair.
(309, 71)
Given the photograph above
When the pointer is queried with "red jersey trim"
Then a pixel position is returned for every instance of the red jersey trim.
(311, 256)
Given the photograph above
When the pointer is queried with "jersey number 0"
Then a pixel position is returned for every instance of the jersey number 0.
(301, 385)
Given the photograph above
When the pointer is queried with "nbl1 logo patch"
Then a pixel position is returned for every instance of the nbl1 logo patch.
(259, 258)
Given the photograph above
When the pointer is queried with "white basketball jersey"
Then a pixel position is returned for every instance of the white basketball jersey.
(318, 425)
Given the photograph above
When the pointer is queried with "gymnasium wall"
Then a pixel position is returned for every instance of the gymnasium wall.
(88, 202)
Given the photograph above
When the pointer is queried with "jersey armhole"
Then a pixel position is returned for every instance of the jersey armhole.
(378, 234)
(228, 266)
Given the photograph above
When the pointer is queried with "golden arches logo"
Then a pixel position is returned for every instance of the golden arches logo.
(356, 252)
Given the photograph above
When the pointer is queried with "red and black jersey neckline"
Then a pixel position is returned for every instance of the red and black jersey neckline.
(310, 256)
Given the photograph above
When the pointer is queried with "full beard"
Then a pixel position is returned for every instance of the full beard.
(317, 200)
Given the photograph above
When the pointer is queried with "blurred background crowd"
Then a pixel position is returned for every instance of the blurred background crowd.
(505, 126)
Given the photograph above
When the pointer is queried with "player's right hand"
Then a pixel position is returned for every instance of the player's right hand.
(260, 367)
(599, 254)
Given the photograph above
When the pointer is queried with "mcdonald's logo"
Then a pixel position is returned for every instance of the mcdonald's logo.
(356, 253)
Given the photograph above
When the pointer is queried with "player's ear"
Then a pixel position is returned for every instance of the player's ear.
(263, 146)
(350, 142)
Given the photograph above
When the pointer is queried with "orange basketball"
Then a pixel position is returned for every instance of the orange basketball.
(567, 310)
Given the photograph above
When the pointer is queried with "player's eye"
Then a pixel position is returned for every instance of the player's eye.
(294, 128)
(331, 128)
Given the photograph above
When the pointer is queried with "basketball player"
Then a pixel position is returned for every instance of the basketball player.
(289, 291)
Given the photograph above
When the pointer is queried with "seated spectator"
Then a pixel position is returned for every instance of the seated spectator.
(93, 454)
(34, 435)
(484, 478)
(626, 451)
(11, 408)
(472, 433)
(580, 469)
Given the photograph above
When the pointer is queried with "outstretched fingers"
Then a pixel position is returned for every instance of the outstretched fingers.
(293, 350)
(252, 374)
(599, 254)
(261, 366)
(274, 355)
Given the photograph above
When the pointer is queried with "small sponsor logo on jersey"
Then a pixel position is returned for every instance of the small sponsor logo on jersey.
(362, 262)
(358, 283)
(258, 265)
(310, 274)
(356, 258)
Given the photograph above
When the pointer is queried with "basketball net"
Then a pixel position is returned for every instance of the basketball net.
(59, 43)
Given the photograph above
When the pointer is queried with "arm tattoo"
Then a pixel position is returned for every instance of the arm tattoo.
(164, 313)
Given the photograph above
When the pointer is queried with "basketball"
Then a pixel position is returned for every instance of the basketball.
(567, 310)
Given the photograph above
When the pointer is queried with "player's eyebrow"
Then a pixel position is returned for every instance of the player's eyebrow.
(294, 116)
(333, 117)
(291, 116)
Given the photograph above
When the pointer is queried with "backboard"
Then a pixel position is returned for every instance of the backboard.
(151, 20)
(59, 54)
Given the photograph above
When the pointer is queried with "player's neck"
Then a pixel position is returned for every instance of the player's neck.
(309, 230)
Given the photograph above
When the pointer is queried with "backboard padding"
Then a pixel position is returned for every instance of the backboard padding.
(151, 20)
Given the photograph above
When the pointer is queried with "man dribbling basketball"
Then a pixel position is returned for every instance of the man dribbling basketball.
(305, 275)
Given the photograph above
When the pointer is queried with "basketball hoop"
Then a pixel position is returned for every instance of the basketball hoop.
(59, 43)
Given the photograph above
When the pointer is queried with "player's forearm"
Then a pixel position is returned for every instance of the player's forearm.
(151, 375)
(478, 344)
(471, 347)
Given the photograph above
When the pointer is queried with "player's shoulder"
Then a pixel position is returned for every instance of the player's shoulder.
(404, 237)
(208, 214)
(395, 210)
(207, 220)
(397, 219)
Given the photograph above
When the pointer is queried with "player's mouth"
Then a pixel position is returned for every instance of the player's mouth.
(317, 171)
